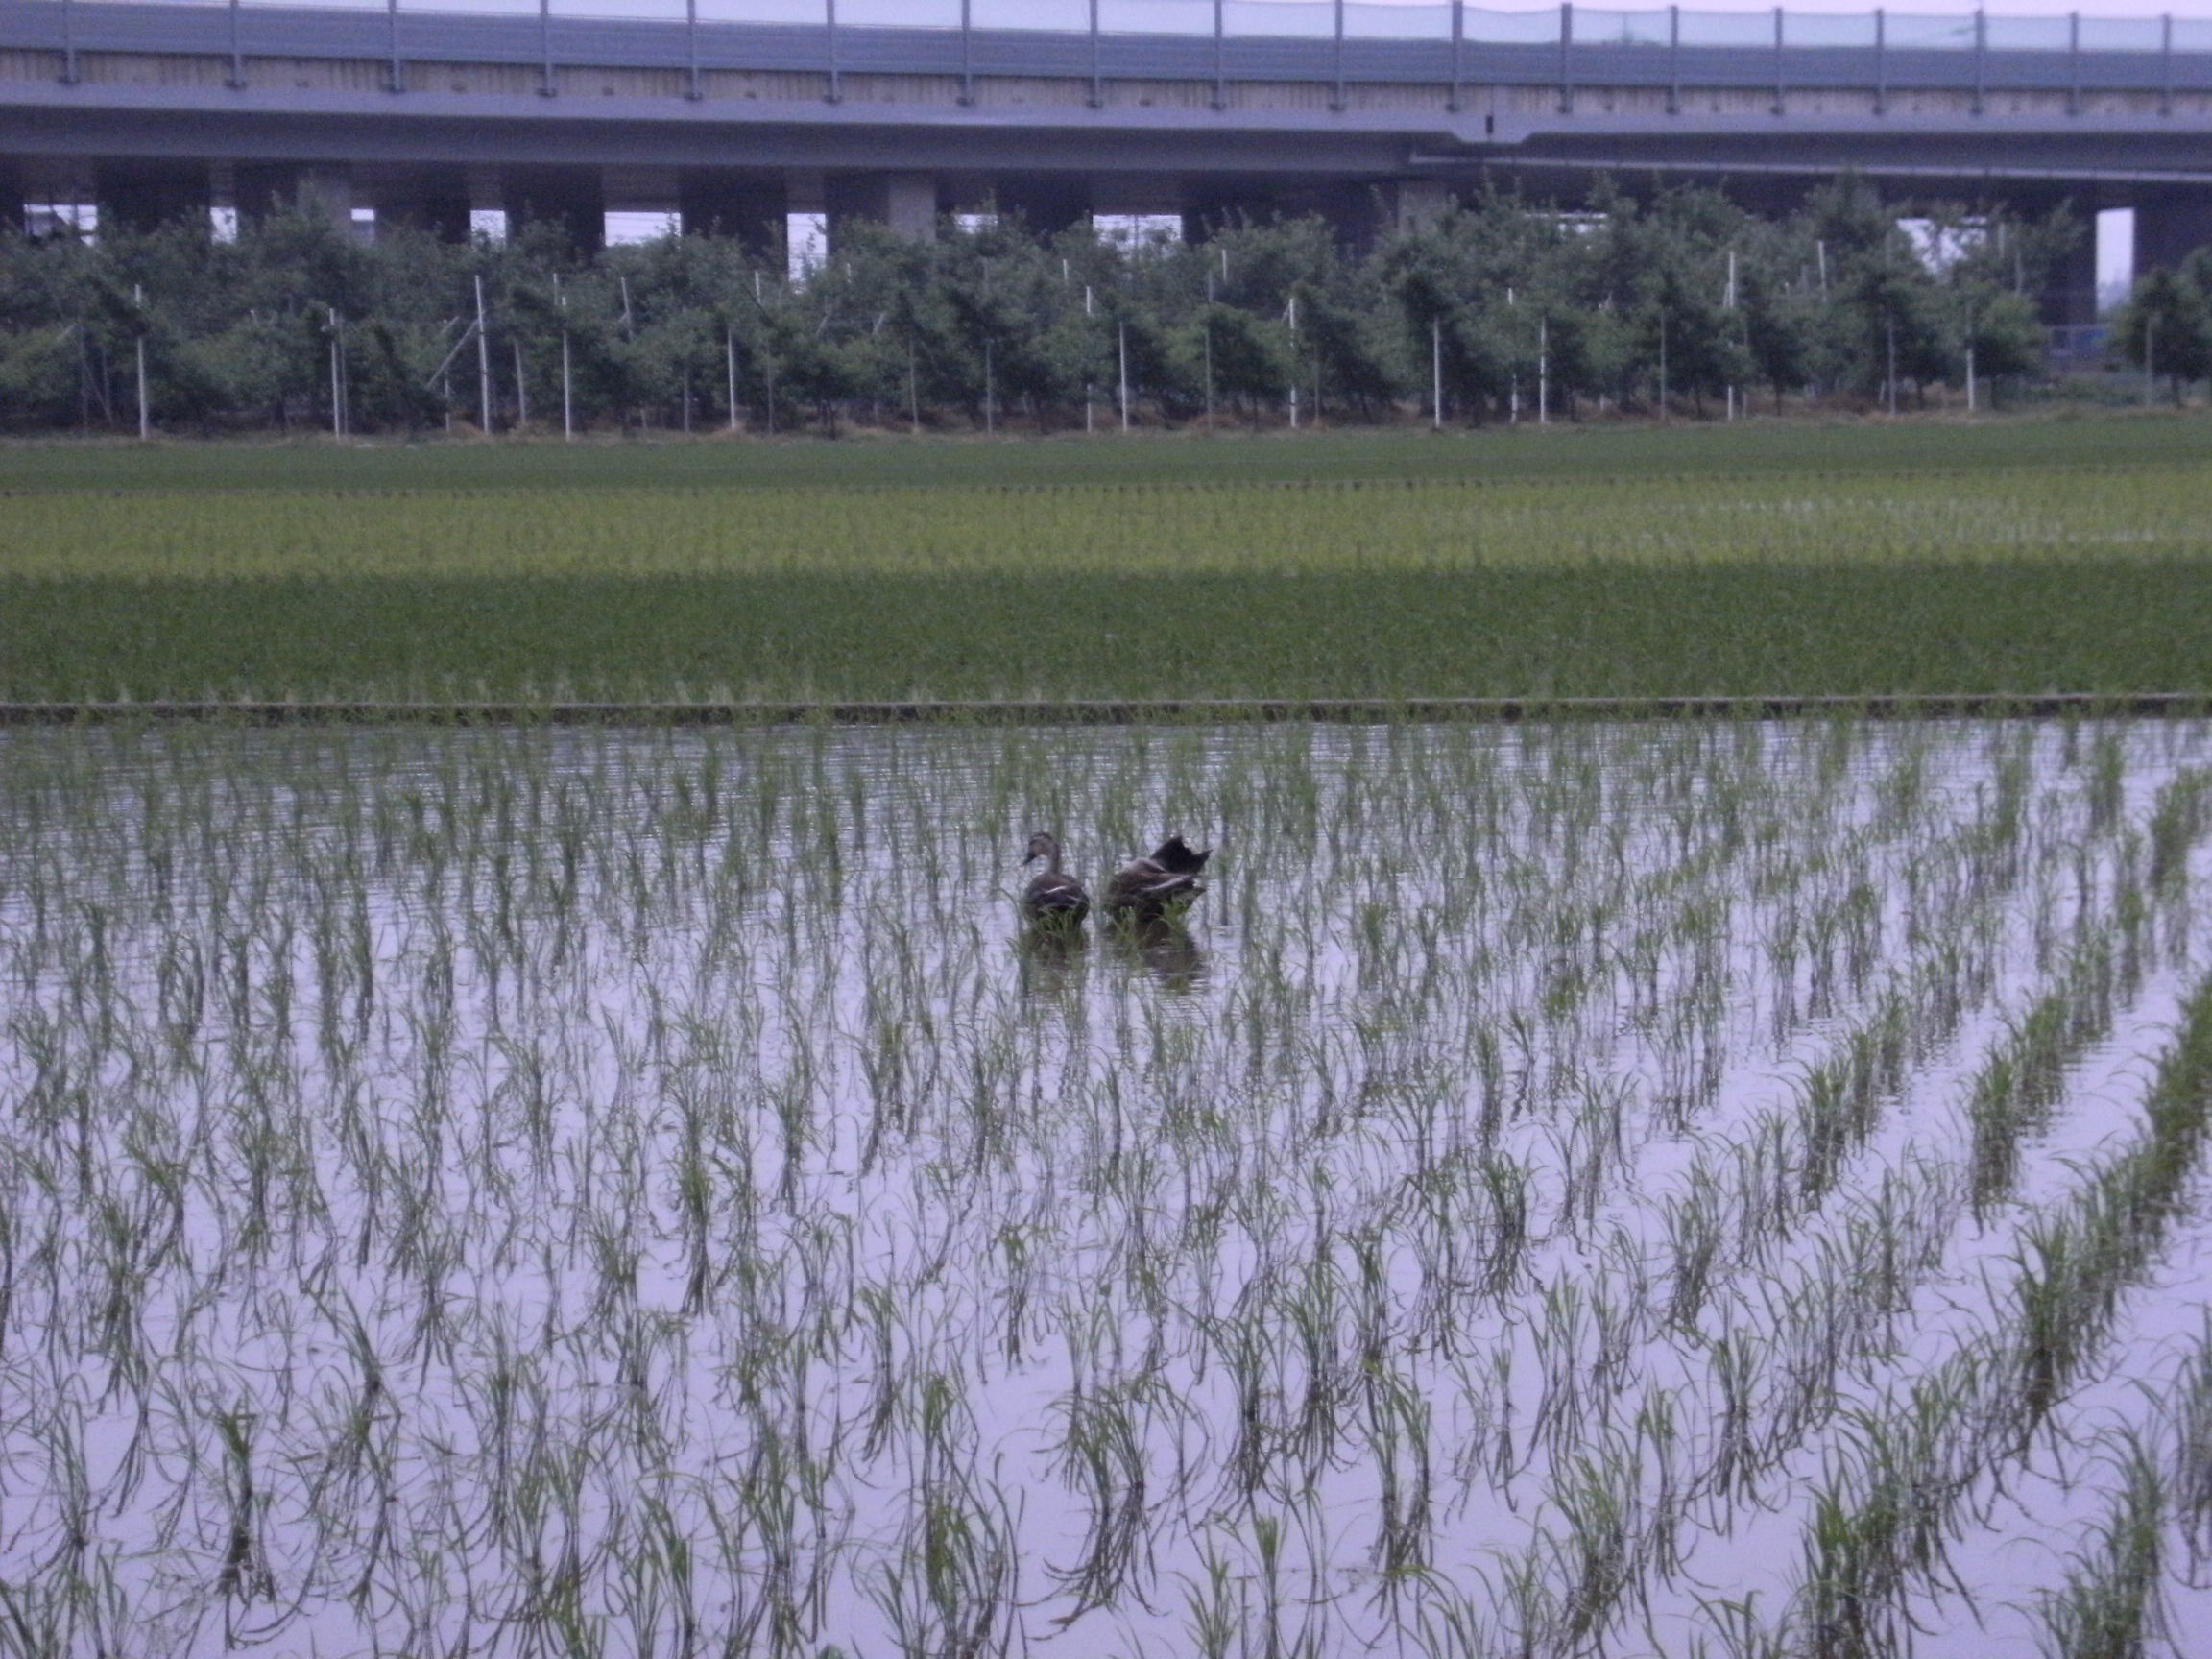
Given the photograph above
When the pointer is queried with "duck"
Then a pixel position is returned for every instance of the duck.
(1165, 880)
(1053, 898)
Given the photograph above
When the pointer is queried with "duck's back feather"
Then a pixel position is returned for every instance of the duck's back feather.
(1055, 896)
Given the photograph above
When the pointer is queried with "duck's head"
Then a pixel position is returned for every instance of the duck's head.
(1044, 846)
(1178, 855)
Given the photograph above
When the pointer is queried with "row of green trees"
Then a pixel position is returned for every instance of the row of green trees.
(1496, 309)
(2165, 327)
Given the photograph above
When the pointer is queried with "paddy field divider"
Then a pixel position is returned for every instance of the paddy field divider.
(1125, 711)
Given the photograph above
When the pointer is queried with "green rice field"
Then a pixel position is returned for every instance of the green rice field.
(1688, 1189)
(1729, 1188)
(2017, 559)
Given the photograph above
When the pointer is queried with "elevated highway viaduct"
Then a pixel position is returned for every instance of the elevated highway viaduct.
(734, 112)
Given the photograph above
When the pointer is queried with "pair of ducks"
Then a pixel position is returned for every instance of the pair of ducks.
(1145, 889)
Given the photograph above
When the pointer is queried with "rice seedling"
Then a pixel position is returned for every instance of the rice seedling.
(2110, 1607)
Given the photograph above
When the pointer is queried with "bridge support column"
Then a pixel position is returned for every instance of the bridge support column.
(1411, 203)
(753, 209)
(2169, 228)
(1048, 206)
(904, 202)
(53, 184)
(12, 195)
(1209, 209)
(146, 195)
(266, 187)
(1364, 213)
(432, 200)
(655, 190)
(572, 198)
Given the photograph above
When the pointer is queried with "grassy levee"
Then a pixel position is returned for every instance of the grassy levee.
(710, 462)
(2027, 559)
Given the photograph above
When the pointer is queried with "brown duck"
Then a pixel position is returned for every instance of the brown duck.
(1164, 881)
(1053, 898)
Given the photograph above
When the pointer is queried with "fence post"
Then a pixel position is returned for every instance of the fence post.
(1121, 352)
(546, 84)
(483, 366)
(1436, 373)
(691, 48)
(836, 93)
(238, 54)
(568, 395)
(397, 80)
(69, 42)
(145, 405)
(337, 393)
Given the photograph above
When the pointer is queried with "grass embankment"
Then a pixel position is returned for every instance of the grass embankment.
(2011, 559)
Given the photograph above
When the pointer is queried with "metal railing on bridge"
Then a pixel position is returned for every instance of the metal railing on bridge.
(1343, 42)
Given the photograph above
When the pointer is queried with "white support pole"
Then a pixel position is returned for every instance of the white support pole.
(1122, 332)
(145, 409)
(483, 366)
(567, 402)
(337, 377)
(729, 372)
(1543, 371)
(1729, 304)
(1436, 373)
(1209, 372)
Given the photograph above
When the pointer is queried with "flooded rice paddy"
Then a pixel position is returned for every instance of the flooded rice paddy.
(1724, 1189)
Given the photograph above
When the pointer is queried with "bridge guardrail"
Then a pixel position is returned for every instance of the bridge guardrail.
(1344, 41)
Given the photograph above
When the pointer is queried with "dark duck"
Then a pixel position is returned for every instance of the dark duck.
(1053, 898)
(1162, 882)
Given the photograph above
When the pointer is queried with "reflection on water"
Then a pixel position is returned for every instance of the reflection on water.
(1050, 956)
(647, 1175)
(1161, 946)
